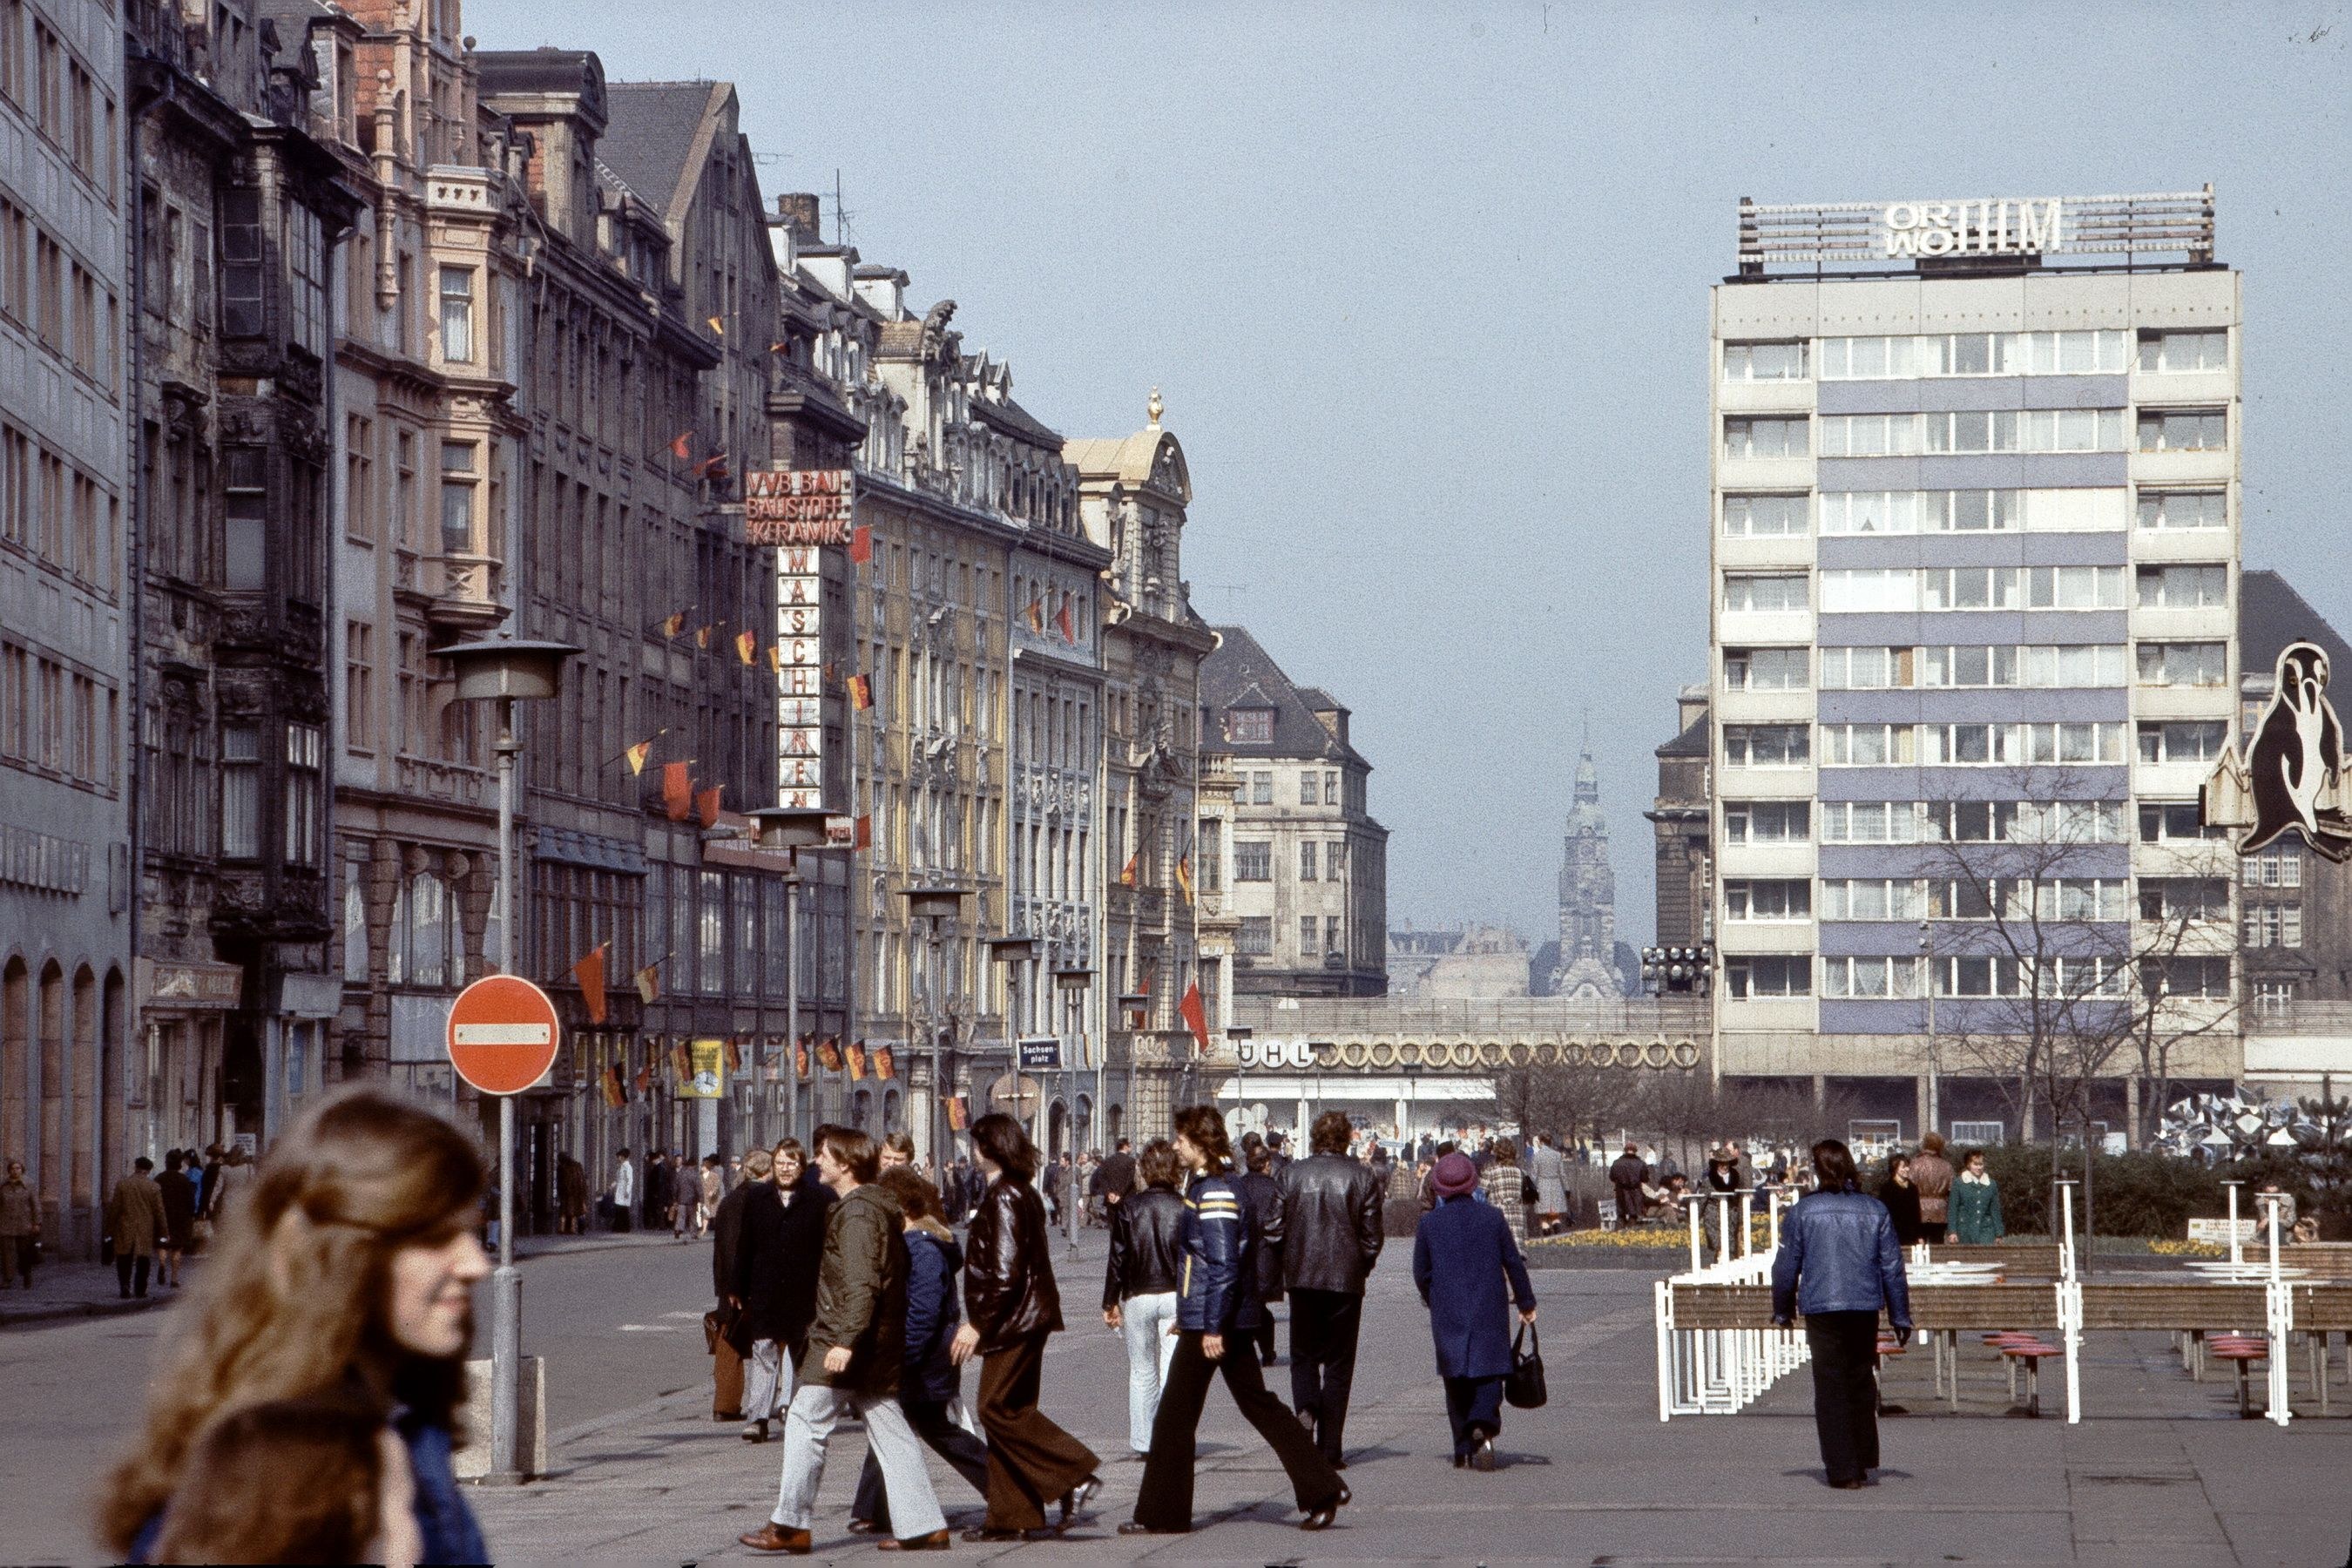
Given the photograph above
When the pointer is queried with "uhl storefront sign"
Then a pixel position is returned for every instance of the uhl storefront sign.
(1973, 228)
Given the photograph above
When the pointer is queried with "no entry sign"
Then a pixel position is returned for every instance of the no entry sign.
(502, 1034)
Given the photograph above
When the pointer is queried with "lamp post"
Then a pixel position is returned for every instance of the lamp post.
(1072, 982)
(935, 903)
(791, 828)
(1016, 954)
(1935, 1086)
(507, 669)
(1241, 1036)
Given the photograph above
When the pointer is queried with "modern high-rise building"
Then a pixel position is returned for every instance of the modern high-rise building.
(1974, 575)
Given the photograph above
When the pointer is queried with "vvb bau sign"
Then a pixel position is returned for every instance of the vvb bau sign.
(2028, 228)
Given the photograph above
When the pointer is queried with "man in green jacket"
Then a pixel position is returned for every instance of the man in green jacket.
(854, 1349)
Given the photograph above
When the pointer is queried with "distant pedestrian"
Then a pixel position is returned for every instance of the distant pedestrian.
(570, 1195)
(685, 1193)
(1011, 1307)
(1932, 1175)
(714, 1188)
(1975, 1204)
(1139, 1282)
(20, 1228)
(856, 1350)
(194, 1166)
(1462, 1256)
(179, 1196)
(1332, 1208)
(134, 1225)
(368, 1202)
(1625, 1181)
(1719, 1192)
(1901, 1196)
(1215, 1315)
(734, 1333)
(622, 1194)
(230, 1175)
(1548, 1171)
(1262, 1196)
(1504, 1185)
(1114, 1178)
(1840, 1265)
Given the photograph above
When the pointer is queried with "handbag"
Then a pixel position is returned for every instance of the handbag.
(1523, 1387)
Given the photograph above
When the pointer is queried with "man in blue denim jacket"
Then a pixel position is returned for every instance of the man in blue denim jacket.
(1838, 1264)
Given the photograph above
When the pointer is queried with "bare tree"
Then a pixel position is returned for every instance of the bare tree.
(1565, 1097)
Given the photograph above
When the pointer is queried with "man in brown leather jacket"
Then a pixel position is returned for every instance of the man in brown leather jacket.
(1932, 1175)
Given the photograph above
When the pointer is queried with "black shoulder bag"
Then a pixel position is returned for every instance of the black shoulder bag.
(1524, 1387)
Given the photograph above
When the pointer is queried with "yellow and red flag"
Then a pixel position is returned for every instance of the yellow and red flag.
(861, 692)
(673, 623)
(958, 1113)
(616, 1094)
(747, 645)
(1184, 875)
(884, 1066)
(637, 756)
(828, 1051)
(1127, 872)
(857, 1060)
(649, 982)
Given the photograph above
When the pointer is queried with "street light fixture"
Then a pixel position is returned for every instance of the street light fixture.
(507, 670)
(1016, 952)
(1072, 982)
(789, 829)
(935, 903)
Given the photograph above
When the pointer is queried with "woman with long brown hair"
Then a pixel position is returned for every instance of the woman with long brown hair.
(1010, 1308)
(343, 1269)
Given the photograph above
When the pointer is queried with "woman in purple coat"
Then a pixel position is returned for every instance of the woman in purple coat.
(1462, 1255)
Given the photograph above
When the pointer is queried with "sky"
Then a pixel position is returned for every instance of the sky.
(1426, 291)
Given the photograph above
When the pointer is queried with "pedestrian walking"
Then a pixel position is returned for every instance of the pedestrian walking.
(1114, 1178)
(685, 1193)
(1932, 1175)
(229, 1175)
(1332, 1235)
(179, 1196)
(1975, 1204)
(1262, 1196)
(856, 1349)
(368, 1201)
(1011, 1307)
(779, 1262)
(1625, 1180)
(1215, 1315)
(570, 1195)
(134, 1225)
(1719, 1194)
(732, 1335)
(1139, 1283)
(1839, 1266)
(1504, 1185)
(624, 1193)
(930, 1382)
(20, 1228)
(1547, 1170)
(714, 1188)
(1901, 1196)
(1462, 1256)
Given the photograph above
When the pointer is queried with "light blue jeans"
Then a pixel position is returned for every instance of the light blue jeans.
(816, 1409)
(1145, 1321)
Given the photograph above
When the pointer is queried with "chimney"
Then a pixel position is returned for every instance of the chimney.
(799, 208)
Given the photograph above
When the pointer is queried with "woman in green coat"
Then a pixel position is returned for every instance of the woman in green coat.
(1975, 1204)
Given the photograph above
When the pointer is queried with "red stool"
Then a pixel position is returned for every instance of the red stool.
(2029, 1352)
(2242, 1352)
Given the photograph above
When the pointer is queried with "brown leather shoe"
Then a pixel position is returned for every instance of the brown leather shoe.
(775, 1537)
(937, 1541)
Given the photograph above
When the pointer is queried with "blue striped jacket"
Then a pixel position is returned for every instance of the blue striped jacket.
(1215, 1296)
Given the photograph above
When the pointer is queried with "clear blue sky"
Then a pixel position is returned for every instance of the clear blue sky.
(1426, 291)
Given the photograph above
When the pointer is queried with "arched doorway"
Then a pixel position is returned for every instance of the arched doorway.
(861, 1111)
(1057, 1129)
(50, 1174)
(112, 1111)
(894, 1112)
(1085, 1128)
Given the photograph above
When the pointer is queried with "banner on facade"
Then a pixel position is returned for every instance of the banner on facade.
(707, 1077)
(789, 507)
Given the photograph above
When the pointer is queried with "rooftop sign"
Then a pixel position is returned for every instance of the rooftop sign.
(1870, 235)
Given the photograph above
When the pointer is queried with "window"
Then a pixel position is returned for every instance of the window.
(1256, 939)
(305, 799)
(245, 520)
(2075, 587)
(2183, 430)
(1745, 899)
(1306, 862)
(1749, 591)
(1764, 361)
(2071, 430)
(2070, 742)
(1868, 898)
(1970, 588)
(2199, 587)
(1945, 666)
(1974, 512)
(2171, 821)
(2089, 664)
(2166, 354)
(1971, 975)
(1767, 821)
(2272, 867)
(1765, 745)
(2202, 978)
(1865, 745)
(2273, 998)
(1335, 860)
(1972, 431)
(1966, 353)
(2106, 353)
(2081, 898)
(1332, 942)
(2069, 822)
(711, 926)
(1331, 787)
(1308, 795)
(1871, 511)
(2184, 740)
(306, 277)
(1872, 977)
(1972, 821)
(241, 261)
(1870, 822)
(1765, 438)
(2092, 510)
(1871, 590)
(1252, 860)
(2273, 925)
(2183, 663)
(1262, 789)
(2184, 898)
(2184, 508)
(1870, 434)
(1765, 669)
(1250, 726)
(457, 314)
(240, 834)
(1765, 516)
(1864, 669)
(1760, 974)
(1868, 359)
(1306, 937)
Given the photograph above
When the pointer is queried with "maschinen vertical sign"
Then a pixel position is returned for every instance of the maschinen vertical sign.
(800, 678)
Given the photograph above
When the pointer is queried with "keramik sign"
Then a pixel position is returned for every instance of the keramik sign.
(2029, 228)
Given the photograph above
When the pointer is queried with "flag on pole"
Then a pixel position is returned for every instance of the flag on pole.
(828, 1051)
(861, 545)
(706, 806)
(643, 1078)
(681, 1064)
(885, 1064)
(1062, 619)
(677, 790)
(958, 1113)
(590, 973)
(673, 623)
(747, 645)
(734, 1055)
(1035, 615)
(776, 657)
(1195, 1015)
(637, 756)
(801, 1055)
(719, 326)
(678, 448)
(649, 982)
(1184, 875)
(1127, 872)
(856, 1061)
(861, 692)
(702, 634)
(616, 1094)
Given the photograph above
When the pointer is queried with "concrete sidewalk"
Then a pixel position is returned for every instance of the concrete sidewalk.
(80, 1289)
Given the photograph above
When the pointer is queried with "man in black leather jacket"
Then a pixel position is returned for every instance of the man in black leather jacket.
(1262, 1196)
(1331, 1239)
(1146, 1270)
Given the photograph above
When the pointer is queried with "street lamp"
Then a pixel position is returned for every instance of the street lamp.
(791, 829)
(1016, 952)
(1072, 981)
(1240, 1035)
(936, 903)
(507, 669)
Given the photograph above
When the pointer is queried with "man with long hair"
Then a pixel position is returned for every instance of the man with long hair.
(1334, 1232)
(1840, 1264)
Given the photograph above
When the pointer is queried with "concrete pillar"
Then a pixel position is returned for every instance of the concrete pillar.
(1821, 1090)
(1920, 1086)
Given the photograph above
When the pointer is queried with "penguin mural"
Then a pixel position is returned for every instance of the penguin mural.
(2295, 766)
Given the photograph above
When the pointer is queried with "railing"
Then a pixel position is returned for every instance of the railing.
(470, 580)
(453, 782)
(1491, 1015)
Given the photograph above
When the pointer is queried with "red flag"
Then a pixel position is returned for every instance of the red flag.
(590, 973)
(643, 1078)
(678, 790)
(1126, 873)
(706, 806)
(747, 645)
(678, 448)
(1195, 1015)
(1062, 619)
(861, 544)
(864, 837)
(885, 1065)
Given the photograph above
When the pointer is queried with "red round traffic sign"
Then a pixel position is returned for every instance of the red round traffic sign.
(502, 1034)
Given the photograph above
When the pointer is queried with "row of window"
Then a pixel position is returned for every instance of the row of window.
(2197, 586)
(1787, 515)
(58, 300)
(40, 74)
(1978, 431)
(57, 719)
(2098, 353)
(1770, 975)
(1962, 822)
(1784, 900)
(57, 513)
(1897, 745)
(2190, 664)
(1253, 860)
(1323, 935)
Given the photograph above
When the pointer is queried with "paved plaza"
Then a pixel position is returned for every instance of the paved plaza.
(2165, 1475)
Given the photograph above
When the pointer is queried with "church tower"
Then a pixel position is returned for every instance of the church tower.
(1588, 896)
